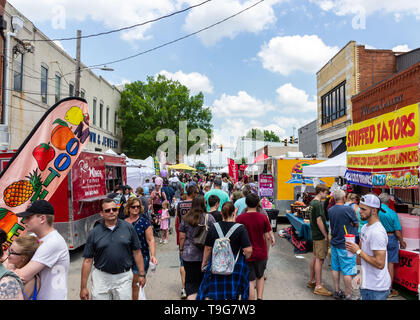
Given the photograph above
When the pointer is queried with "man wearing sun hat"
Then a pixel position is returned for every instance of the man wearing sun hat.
(376, 280)
(51, 260)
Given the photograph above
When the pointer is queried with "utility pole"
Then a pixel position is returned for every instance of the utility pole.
(77, 80)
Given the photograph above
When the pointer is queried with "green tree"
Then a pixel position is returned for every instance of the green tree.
(269, 136)
(147, 107)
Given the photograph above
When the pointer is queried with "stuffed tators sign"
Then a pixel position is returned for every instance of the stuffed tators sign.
(397, 128)
(43, 161)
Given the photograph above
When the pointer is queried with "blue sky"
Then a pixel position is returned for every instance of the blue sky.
(256, 70)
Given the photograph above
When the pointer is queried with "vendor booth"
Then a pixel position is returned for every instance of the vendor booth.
(138, 171)
(182, 166)
(383, 152)
(334, 167)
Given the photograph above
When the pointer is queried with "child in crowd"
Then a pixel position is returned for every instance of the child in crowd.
(164, 221)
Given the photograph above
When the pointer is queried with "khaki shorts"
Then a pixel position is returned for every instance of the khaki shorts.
(106, 286)
(320, 249)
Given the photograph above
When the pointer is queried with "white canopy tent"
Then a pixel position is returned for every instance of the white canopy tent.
(138, 171)
(254, 169)
(224, 170)
(334, 167)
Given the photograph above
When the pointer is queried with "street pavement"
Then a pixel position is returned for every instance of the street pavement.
(287, 273)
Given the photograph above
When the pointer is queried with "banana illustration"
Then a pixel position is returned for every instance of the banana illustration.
(74, 115)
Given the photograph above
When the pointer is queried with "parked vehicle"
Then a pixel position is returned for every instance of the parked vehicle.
(78, 198)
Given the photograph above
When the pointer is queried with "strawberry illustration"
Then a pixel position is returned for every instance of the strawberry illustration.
(43, 154)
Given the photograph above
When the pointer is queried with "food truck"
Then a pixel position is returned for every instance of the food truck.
(78, 198)
(289, 181)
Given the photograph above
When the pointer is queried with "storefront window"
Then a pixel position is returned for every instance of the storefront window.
(333, 104)
(57, 88)
(94, 111)
(44, 84)
(18, 73)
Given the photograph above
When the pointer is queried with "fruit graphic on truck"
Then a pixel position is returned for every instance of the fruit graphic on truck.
(43, 154)
(7, 219)
(61, 135)
(19, 192)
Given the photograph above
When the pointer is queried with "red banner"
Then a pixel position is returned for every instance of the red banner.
(43, 161)
(233, 170)
(407, 270)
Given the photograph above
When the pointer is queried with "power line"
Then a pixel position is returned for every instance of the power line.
(121, 29)
(176, 40)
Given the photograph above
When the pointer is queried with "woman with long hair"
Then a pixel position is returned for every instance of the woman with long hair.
(191, 254)
(133, 211)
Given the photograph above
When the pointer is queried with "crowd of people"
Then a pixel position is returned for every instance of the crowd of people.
(121, 247)
(340, 215)
(208, 209)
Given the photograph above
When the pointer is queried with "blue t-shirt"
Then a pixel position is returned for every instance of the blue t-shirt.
(389, 219)
(340, 216)
(223, 197)
(240, 203)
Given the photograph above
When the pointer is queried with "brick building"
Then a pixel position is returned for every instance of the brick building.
(352, 70)
(396, 91)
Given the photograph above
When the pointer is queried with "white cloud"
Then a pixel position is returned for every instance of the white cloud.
(241, 105)
(112, 14)
(195, 81)
(286, 54)
(369, 7)
(401, 48)
(292, 99)
(254, 20)
(59, 44)
(290, 123)
(119, 14)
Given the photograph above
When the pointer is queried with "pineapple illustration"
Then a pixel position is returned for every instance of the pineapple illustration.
(19, 192)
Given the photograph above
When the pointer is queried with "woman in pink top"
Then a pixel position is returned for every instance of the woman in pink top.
(164, 222)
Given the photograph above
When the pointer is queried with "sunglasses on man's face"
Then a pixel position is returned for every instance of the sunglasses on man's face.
(111, 209)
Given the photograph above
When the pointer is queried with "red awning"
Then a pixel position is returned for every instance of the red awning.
(261, 157)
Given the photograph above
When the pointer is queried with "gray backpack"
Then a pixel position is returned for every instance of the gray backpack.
(223, 260)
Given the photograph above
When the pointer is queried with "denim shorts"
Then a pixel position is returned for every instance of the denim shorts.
(181, 261)
(367, 294)
(340, 262)
(393, 249)
(146, 260)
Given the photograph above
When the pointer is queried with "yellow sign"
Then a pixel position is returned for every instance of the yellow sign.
(397, 128)
(398, 158)
(289, 175)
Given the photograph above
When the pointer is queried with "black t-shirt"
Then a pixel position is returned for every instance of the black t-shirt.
(238, 240)
(112, 250)
(216, 215)
(183, 208)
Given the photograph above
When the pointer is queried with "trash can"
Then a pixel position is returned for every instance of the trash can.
(272, 216)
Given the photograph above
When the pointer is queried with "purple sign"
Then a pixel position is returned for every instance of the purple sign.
(266, 185)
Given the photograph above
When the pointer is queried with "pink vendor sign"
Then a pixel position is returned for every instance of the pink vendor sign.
(43, 161)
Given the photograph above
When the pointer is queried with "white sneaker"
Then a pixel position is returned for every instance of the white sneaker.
(160, 241)
(165, 241)
(183, 294)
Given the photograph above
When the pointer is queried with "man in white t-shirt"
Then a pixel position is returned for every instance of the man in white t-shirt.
(376, 280)
(51, 260)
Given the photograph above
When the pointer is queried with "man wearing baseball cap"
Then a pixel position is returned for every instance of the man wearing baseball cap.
(51, 260)
(376, 280)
